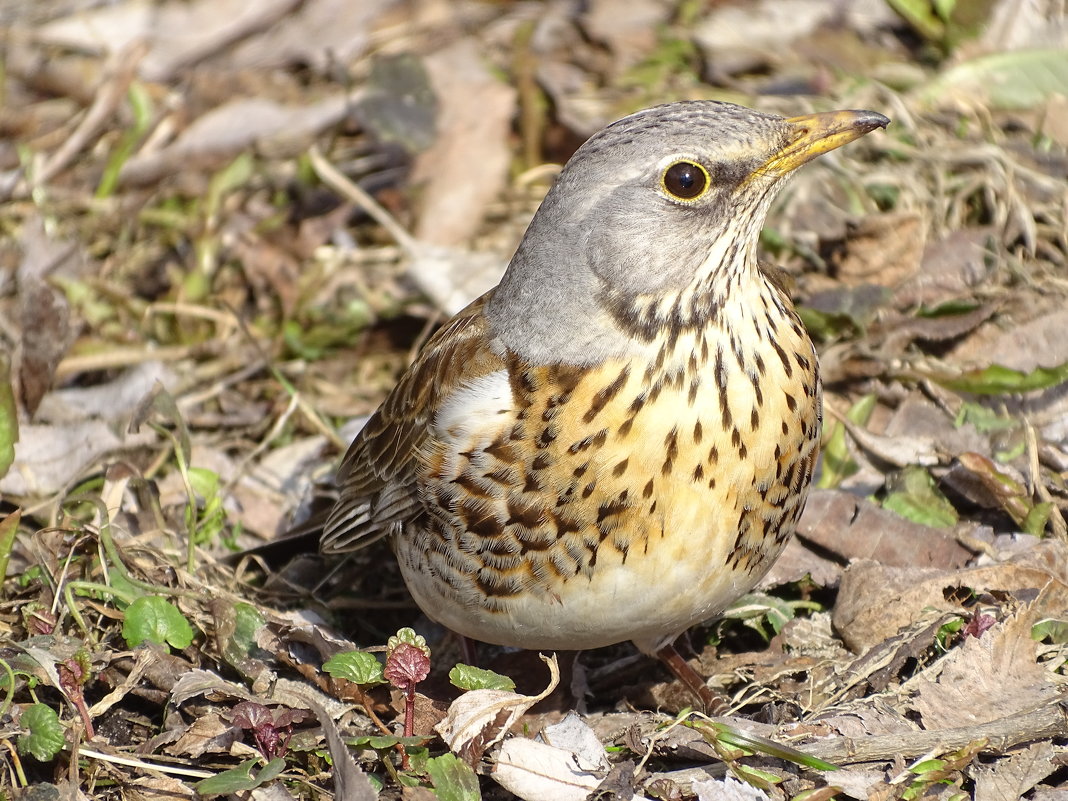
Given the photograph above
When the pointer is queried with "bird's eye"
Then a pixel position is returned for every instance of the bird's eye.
(685, 180)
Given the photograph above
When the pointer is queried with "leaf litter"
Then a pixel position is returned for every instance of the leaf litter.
(209, 211)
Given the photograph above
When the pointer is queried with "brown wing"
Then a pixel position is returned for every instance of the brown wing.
(378, 479)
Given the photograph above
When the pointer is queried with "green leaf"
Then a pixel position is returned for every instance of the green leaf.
(837, 463)
(246, 621)
(211, 517)
(1037, 517)
(757, 608)
(153, 618)
(9, 527)
(915, 497)
(9, 419)
(949, 308)
(1015, 79)
(927, 766)
(985, 419)
(947, 630)
(240, 778)
(828, 326)
(380, 742)
(730, 735)
(359, 667)
(407, 636)
(920, 15)
(467, 677)
(453, 779)
(1056, 631)
(141, 105)
(998, 380)
(45, 736)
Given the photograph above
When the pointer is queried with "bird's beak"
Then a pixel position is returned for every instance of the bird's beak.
(813, 135)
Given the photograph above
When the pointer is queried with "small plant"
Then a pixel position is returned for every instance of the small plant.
(271, 729)
(407, 664)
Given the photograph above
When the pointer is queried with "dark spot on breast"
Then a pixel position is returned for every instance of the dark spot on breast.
(594, 440)
(713, 455)
(647, 491)
(528, 382)
(471, 486)
(524, 515)
(612, 508)
(671, 446)
(505, 477)
(783, 357)
(620, 468)
(587, 491)
(502, 452)
(791, 401)
(699, 472)
(698, 433)
(494, 585)
(754, 419)
(541, 461)
(601, 399)
(566, 526)
(547, 436)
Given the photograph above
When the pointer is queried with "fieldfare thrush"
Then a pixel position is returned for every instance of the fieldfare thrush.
(615, 442)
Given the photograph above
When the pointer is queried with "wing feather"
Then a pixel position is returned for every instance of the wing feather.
(378, 479)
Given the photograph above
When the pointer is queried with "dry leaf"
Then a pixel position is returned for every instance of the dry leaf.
(995, 675)
(480, 718)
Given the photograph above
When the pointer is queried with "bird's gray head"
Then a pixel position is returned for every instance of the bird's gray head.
(662, 202)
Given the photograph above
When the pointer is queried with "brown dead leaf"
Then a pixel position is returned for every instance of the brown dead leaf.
(993, 676)
(628, 30)
(855, 528)
(1023, 346)
(796, 562)
(240, 125)
(883, 249)
(1014, 774)
(875, 601)
(467, 166)
(48, 458)
(480, 718)
(951, 266)
(156, 788)
(429, 712)
(208, 733)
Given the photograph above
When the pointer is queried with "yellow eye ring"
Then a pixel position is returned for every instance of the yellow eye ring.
(686, 181)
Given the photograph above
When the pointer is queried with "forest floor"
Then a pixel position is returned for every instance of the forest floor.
(228, 227)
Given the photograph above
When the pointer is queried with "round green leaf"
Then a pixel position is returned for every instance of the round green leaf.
(153, 618)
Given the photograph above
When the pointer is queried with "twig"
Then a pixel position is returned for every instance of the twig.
(1040, 723)
(116, 80)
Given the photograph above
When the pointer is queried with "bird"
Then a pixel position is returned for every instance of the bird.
(615, 442)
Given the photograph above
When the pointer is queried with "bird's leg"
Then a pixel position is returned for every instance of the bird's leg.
(712, 703)
(470, 650)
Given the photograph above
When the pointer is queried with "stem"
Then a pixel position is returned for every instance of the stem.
(409, 722)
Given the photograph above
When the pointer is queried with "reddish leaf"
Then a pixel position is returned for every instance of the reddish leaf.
(406, 666)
